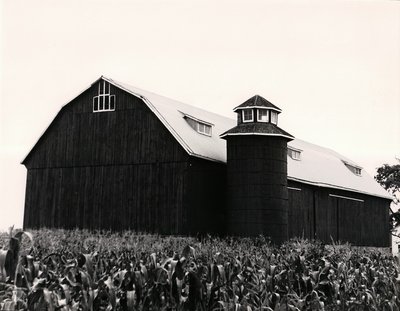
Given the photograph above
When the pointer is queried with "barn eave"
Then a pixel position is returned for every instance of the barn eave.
(331, 186)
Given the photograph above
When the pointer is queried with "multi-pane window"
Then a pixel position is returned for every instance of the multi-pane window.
(104, 101)
(204, 129)
(274, 117)
(262, 115)
(199, 126)
(247, 115)
(294, 154)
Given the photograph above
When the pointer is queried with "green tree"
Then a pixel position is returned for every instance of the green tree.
(389, 177)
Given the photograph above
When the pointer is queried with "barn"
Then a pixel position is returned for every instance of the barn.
(118, 157)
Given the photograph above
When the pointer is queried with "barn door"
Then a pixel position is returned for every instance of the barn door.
(301, 221)
(350, 220)
(348, 214)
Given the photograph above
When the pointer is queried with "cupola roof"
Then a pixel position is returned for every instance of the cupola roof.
(262, 129)
(258, 101)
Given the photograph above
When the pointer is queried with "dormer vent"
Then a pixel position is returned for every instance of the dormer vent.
(201, 127)
(356, 170)
(294, 153)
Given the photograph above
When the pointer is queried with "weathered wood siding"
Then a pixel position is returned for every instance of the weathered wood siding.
(257, 186)
(336, 215)
(118, 170)
(131, 134)
(142, 197)
(301, 210)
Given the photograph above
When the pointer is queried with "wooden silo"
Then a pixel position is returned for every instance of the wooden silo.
(257, 172)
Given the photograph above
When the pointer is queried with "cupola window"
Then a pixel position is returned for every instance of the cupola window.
(274, 117)
(262, 115)
(356, 170)
(199, 126)
(247, 115)
(295, 154)
(104, 101)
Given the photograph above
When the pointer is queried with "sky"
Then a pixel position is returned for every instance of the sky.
(333, 67)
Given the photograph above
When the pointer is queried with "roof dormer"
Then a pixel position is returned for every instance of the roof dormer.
(257, 109)
(200, 126)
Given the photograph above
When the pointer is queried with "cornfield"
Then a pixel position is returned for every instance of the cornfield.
(81, 270)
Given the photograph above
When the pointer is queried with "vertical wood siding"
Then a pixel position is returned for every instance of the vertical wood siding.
(205, 197)
(131, 134)
(313, 213)
(301, 211)
(119, 170)
(108, 197)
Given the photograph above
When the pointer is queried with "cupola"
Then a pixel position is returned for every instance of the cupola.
(257, 109)
(257, 116)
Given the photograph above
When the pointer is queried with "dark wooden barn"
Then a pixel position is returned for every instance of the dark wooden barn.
(117, 157)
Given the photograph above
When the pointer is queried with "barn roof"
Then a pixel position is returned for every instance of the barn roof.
(172, 112)
(318, 166)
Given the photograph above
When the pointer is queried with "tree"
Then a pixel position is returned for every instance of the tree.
(389, 178)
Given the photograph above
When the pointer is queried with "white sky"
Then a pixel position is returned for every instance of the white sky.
(333, 67)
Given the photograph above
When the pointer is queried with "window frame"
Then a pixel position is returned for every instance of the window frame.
(292, 152)
(205, 126)
(252, 115)
(103, 98)
(267, 115)
(201, 127)
(273, 117)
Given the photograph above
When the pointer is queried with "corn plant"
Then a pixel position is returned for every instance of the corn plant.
(82, 270)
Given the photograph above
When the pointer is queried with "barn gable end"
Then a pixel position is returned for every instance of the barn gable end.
(118, 169)
(79, 137)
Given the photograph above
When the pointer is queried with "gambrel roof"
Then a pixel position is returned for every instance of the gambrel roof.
(318, 166)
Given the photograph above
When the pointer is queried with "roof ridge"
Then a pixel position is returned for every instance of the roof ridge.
(141, 90)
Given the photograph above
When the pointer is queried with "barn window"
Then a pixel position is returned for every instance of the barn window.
(274, 117)
(204, 129)
(262, 115)
(104, 101)
(247, 115)
(356, 170)
(295, 154)
(199, 126)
